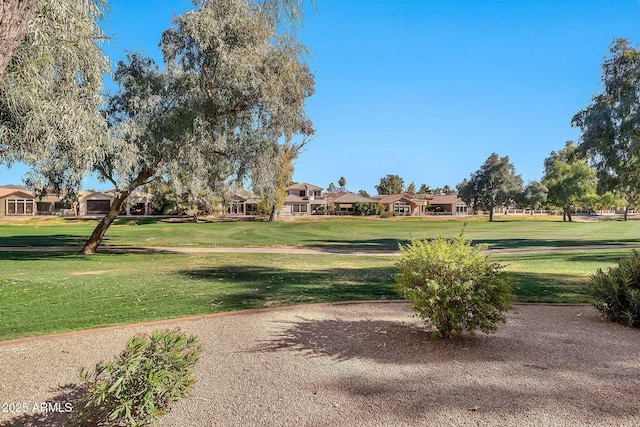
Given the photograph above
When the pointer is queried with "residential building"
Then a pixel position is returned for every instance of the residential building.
(17, 201)
(343, 202)
(403, 204)
(303, 199)
(243, 203)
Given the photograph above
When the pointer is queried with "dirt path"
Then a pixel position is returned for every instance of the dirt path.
(362, 364)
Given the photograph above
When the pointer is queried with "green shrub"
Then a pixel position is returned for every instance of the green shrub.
(147, 377)
(387, 214)
(366, 208)
(616, 292)
(453, 286)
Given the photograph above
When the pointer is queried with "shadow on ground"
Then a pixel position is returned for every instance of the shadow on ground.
(53, 413)
(513, 372)
(259, 286)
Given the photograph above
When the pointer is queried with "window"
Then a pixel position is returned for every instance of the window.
(20, 207)
(303, 193)
(402, 208)
(299, 208)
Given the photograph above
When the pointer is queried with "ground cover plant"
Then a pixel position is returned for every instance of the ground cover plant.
(453, 286)
(43, 293)
(150, 374)
(352, 233)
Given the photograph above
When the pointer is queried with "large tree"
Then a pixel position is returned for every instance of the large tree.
(50, 89)
(568, 178)
(390, 184)
(233, 90)
(611, 124)
(494, 184)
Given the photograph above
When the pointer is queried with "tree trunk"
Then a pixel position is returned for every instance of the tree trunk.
(92, 244)
(491, 214)
(564, 214)
(14, 19)
(272, 216)
(626, 212)
(568, 213)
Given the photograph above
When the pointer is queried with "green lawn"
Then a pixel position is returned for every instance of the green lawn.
(55, 292)
(355, 233)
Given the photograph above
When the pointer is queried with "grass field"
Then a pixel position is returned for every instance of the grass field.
(354, 233)
(54, 292)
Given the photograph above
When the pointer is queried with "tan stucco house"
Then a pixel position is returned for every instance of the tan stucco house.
(17, 202)
(303, 199)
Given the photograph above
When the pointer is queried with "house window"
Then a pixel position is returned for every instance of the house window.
(19, 207)
(401, 208)
(299, 208)
(303, 193)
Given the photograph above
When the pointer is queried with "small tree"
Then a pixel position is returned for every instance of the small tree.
(364, 193)
(424, 189)
(568, 179)
(411, 189)
(494, 184)
(453, 286)
(342, 182)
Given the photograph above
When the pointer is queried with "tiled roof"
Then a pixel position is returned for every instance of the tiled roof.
(445, 199)
(303, 186)
(332, 196)
(352, 198)
(391, 198)
(292, 198)
(4, 192)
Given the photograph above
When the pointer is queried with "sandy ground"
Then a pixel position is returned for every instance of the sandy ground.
(360, 365)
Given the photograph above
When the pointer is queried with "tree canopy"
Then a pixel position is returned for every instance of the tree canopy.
(229, 103)
(610, 124)
(390, 184)
(51, 90)
(568, 179)
(494, 184)
(534, 195)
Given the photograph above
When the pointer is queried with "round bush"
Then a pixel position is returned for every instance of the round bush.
(616, 292)
(453, 286)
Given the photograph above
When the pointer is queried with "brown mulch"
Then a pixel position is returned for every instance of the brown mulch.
(362, 364)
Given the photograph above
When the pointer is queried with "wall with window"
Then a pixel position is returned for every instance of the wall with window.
(14, 206)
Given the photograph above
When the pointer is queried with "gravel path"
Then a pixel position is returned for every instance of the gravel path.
(366, 364)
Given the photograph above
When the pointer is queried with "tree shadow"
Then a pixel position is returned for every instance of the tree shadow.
(515, 371)
(251, 286)
(44, 240)
(538, 287)
(337, 245)
(381, 341)
(39, 256)
(54, 412)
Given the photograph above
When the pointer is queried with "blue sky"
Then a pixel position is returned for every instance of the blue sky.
(428, 89)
